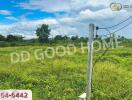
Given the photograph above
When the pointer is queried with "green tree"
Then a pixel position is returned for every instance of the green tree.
(58, 37)
(11, 38)
(66, 38)
(43, 33)
(83, 39)
(74, 38)
(2, 38)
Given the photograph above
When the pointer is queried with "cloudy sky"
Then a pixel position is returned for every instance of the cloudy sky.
(65, 17)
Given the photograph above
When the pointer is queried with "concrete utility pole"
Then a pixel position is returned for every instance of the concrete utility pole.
(90, 54)
(87, 95)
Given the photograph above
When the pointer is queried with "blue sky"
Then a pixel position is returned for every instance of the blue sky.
(65, 17)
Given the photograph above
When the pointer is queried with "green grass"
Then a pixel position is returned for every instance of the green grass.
(64, 78)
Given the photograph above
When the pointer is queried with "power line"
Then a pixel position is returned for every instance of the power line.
(123, 27)
(117, 24)
(110, 33)
(103, 54)
(107, 29)
(99, 58)
(97, 28)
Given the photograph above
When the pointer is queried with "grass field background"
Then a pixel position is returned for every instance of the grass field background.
(64, 78)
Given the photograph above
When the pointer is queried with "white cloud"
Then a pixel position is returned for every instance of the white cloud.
(46, 5)
(5, 12)
(26, 28)
(62, 5)
(44, 21)
(66, 25)
(64, 30)
(75, 23)
(11, 18)
(68, 5)
(102, 14)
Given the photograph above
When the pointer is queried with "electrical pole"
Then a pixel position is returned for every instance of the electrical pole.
(87, 95)
(90, 58)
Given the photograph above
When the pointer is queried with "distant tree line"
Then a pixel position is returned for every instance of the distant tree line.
(15, 38)
(43, 33)
(11, 38)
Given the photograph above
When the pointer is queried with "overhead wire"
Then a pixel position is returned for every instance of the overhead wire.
(110, 36)
(110, 33)
(107, 29)
(116, 24)
(99, 58)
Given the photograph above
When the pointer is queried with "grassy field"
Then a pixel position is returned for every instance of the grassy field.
(64, 78)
